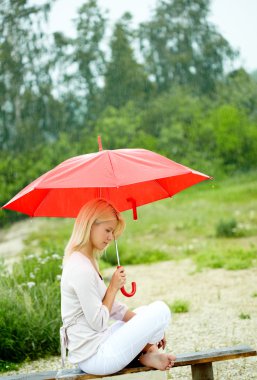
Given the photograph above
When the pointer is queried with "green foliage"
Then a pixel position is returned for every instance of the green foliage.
(25, 83)
(125, 79)
(134, 255)
(232, 259)
(7, 366)
(226, 228)
(181, 46)
(179, 306)
(30, 308)
(244, 316)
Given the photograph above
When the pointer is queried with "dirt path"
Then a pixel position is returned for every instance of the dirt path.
(11, 239)
(217, 299)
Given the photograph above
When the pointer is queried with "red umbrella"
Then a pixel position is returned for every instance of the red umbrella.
(127, 177)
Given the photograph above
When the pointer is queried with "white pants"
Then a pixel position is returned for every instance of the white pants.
(127, 340)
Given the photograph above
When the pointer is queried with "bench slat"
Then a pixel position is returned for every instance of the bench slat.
(226, 353)
(182, 360)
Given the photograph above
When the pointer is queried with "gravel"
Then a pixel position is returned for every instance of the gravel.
(216, 297)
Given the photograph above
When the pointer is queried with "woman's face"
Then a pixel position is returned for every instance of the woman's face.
(102, 234)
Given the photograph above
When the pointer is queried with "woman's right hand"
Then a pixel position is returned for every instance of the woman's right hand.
(118, 279)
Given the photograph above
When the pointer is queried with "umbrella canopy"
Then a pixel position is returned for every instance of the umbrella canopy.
(126, 177)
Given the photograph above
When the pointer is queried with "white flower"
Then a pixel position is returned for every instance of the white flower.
(55, 256)
(31, 275)
(30, 256)
(58, 277)
(31, 284)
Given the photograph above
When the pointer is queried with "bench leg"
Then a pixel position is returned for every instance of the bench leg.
(202, 371)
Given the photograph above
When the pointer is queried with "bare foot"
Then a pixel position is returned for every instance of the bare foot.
(157, 360)
(150, 348)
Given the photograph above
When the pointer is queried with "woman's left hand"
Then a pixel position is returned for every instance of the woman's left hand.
(162, 343)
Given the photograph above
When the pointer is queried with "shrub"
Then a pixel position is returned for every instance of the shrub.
(179, 306)
(134, 255)
(231, 259)
(7, 366)
(30, 315)
(244, 316)
(226, 228)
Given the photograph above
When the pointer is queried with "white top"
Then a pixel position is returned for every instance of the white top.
(85, 318)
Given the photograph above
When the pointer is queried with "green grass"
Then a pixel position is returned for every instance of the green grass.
(8, 366)
(235, 259)
(244, 316)
(179, 306)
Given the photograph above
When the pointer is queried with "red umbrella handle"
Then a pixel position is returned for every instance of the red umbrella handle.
(133, 291)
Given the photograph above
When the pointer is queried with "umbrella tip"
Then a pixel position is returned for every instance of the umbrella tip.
(100, 143)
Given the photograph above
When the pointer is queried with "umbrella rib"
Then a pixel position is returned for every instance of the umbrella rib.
(42, 201)
(112, 168)
(170, 196)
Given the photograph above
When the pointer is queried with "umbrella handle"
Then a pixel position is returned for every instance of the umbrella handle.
(133, 291)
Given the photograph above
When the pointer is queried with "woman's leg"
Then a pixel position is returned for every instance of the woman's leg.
(127, 341)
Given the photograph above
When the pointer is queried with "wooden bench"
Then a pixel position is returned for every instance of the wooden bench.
(200, 362)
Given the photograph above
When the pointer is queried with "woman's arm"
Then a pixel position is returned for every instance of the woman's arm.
(117, 281)
(109, 297)
(128, 315)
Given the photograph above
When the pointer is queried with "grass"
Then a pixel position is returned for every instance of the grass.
(234, 259)
(179, 306)
(244, 316)
(8, 366)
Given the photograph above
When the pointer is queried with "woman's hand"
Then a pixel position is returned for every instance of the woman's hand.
(118, 279)
(162, 343)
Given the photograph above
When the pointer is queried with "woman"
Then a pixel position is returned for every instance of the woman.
(87, 305)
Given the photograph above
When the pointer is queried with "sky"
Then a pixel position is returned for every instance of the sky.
(234, 19)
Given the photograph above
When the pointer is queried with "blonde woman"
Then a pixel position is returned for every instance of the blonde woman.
(87, 304)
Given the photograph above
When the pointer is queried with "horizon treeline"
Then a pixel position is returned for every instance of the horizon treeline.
(167, 85)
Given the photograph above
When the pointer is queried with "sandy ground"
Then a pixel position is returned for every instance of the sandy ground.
(12, 239)
(217, 298)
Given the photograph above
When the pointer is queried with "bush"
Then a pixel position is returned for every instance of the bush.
(30, 308)
(179, 306)
(133, 255)
(226, 228)
(244, 316)
(232, 259)
(8, 366)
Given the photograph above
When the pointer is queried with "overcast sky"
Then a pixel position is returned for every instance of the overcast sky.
(235, 20)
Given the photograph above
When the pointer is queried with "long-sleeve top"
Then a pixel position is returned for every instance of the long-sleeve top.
(85, 318)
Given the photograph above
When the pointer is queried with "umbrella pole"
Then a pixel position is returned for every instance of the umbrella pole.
(117, 252)
(133, 284)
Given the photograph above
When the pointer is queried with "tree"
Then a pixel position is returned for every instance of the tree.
(88, 55)
(240, 90)
(23, 73)
(181, 46)
(125, 78)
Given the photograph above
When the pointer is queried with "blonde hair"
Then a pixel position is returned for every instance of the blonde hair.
(95, 211)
